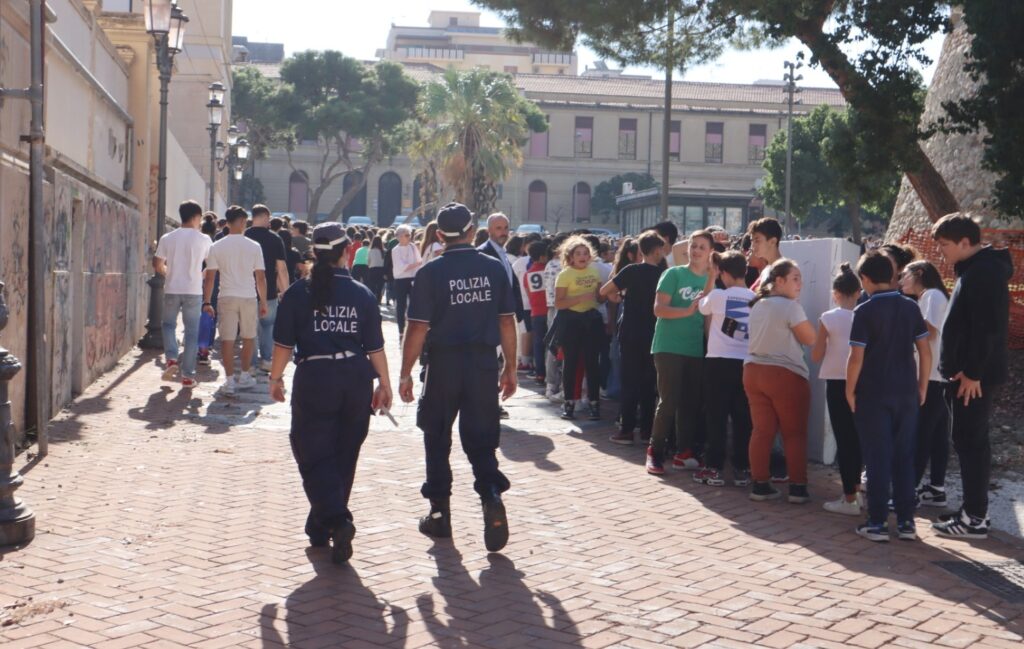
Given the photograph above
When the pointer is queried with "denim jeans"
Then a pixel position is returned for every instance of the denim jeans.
(265, 335)
(190, 307)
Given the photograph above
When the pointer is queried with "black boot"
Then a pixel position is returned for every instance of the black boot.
(495, 523)
(438, 523)
(568, 410)
(341, 538)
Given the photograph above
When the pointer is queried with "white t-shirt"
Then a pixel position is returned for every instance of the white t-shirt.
(519, 268)
(402, 257)
(838, 322)
(184, 250)
(551, 271)
(433, 250)
(604, 269)
(730, 321)
(933, 308)
(236, 257)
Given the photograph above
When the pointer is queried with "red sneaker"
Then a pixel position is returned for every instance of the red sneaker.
(685, 462)
(188, 383)
(654, 464)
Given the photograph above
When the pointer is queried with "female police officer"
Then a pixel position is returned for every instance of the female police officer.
(333, 324)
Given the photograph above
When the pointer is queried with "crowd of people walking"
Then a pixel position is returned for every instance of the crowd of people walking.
(702, 339)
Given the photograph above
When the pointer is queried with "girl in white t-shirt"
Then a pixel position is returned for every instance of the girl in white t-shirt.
(921, 280)
(831, 349)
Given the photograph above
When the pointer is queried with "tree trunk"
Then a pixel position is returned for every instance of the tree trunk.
(929, 184)
(853, 207)
(314, 200)
(347, 197)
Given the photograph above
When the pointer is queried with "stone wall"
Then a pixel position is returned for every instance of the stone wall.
(957, 157)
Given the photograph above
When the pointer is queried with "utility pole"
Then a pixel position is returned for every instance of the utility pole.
(791, 90)
(667, 127)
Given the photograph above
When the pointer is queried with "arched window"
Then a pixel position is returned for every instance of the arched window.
(581, 203)
(298, 193)
(357, 207)
(537, 205)
(389, 197)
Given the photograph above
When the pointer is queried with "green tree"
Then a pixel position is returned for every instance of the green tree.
(866, 46)
(996, 63)
(359, 115)
(252, 106)
(475, 125)
(834, 166)
(603, 201)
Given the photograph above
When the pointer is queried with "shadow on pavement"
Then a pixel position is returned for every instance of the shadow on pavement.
(830, 536)
(519, 445)
(499, 611)
(333, 609)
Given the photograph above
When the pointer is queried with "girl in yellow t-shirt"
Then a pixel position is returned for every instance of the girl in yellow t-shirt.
(576, 298)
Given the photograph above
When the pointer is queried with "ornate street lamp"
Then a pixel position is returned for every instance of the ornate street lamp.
(165, 22)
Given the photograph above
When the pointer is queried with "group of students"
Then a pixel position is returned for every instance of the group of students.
(706, 336)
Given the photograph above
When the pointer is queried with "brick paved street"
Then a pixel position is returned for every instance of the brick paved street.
(169, 519)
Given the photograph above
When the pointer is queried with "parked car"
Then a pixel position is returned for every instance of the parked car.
(605, 232)
(412, 221)
(530, 228)
(359, 220)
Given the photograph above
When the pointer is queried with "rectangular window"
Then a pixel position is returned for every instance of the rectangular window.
(675, 140)
(584, 137)
(713, 140)
(716, 216)
(539, 142)
(757, 141)
(694, 219)
(627, 139)
(734, 220)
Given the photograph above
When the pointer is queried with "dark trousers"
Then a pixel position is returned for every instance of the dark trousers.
(402, 289)
(725, 399)
(330, 418)
(679, 392)
(639, 386)
(461, 381)
(887, 426)
(375, 281)
(539, 327)
(845, 431)
(582, 339)
(359, 273)
(971, 442)
(933, 436)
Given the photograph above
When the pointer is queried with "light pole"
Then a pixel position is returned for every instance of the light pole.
(575, 172)
(790, 78)
(165, 22)
(216, 111)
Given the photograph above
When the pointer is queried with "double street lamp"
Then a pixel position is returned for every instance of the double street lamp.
(234, 154)
(165, 22)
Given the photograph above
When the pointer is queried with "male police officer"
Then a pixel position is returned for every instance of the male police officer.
(465, 300)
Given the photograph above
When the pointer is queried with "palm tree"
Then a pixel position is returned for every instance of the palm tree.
(475, 127)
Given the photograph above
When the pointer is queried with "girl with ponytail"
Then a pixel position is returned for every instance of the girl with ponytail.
(831, 350)
(775, 379)
(332, 325)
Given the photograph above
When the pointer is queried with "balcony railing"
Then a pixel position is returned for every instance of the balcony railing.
(713, 152)
(431, 53)
(552, 58)
(755, 154)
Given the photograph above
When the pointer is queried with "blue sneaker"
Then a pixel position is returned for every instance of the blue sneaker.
(872, 532)
(906, 531)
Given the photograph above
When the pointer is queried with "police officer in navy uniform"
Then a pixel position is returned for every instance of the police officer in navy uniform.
(332, 324)
(465, 301)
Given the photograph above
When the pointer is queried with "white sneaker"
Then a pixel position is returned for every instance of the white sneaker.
(228, 387)
(245, 381)
(265, 366)
(843, 506)
(553, 397)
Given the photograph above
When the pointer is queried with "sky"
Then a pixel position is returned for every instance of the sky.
(358, 28)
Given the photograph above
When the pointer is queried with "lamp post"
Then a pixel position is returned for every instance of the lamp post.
(790, 78)
(165, 22)
(216, 111)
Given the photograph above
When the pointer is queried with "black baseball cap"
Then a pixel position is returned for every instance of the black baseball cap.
(327, 235)
(454, 220)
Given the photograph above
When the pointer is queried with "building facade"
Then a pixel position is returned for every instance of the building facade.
(101, 94)
(601, 124)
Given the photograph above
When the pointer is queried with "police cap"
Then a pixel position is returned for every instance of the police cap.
(328, 235)
(454, 220)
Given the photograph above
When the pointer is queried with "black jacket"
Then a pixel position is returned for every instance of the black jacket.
(487, 247)
(974, 335)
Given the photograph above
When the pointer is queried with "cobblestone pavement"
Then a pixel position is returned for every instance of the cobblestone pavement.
(171, 519)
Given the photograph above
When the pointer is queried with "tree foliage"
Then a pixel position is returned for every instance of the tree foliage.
(866, 46)
(252, 106)
(996, 64)
(359, 115)
(833, 166)
(603, 201)
(474, 127)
